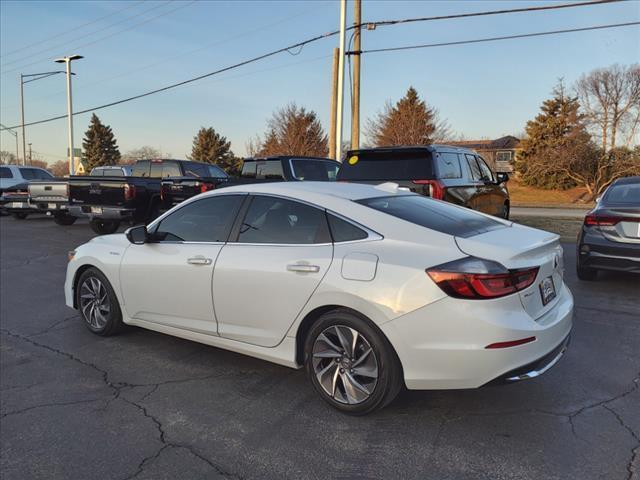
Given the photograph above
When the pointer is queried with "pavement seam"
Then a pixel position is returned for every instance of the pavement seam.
(635, 450)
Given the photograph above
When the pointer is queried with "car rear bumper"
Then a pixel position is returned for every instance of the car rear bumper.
(44, 206)
(443, 345)
(595, 251)
(15, 206)
(107, 213)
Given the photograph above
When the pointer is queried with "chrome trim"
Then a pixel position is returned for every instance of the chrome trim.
(537, 373)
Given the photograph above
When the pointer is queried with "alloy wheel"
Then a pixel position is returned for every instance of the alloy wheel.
(94, 302)
(345, 365)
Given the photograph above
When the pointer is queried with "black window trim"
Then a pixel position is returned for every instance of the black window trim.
(371, 234)
(153, 227)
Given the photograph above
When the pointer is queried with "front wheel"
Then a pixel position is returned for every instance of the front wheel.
(19, 215)
(64, 219)
(351, 364)
(586, 273)
(104, 227)
(97, 303)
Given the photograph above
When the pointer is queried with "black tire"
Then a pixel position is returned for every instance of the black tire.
(64, 219)
(103, 322)
(389, 380)
(585, 273)
(505, 211)
(19, 215)
(104, 227)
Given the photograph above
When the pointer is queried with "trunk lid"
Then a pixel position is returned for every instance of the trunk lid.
(522, 247)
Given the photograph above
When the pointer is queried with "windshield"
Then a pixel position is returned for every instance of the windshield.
(314, 170)
(433, 214)
(623, 194)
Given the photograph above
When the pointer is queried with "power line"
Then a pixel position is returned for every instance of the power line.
(180, 6)
(66, 32)
(335, 32)
(494, 39)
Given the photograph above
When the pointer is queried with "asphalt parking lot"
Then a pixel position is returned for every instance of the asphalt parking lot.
(148, 406)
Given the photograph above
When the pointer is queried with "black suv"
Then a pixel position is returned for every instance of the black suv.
(452, 174)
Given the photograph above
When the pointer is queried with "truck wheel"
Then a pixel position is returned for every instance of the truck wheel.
(64, 219)
(19, 216)
(104, 227)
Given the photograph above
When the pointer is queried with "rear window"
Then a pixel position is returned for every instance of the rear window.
(439, 216)
(623, 194)
(5, 172)
(249, 169)
(314, 170)
(270, 170)
(141, 169)
(448, 165)
(387, 165)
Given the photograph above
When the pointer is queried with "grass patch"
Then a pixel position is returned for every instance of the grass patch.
(567, 228)
(522, 195)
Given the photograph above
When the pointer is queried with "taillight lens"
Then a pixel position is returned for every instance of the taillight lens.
(436, 188)
(129, 191)
(206, 187)
(476, 279)
(592, 220)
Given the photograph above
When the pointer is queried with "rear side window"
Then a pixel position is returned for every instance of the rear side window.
(97, 172)
(343, 231)
(141, 169)
(249, 169)
(387, 165)
(207, 220)
(280, 221)
(196, 170)
(448, 165)
(114, 172)
(473, 167)
(5, 172)
(314, 170)
(439, 216)
(270, 170)
(623, 194)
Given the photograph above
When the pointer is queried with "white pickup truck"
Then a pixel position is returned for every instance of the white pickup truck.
(51, 197)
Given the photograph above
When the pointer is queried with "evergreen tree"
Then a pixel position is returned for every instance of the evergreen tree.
(558, 132)
(99, 144)
(211, 147)
(409, 122)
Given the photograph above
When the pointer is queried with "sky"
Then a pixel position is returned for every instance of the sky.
(483, 90)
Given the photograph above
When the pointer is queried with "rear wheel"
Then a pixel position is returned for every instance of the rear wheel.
(351, 364)
(64, 219)
(19, 215)
(104, 227)
(97, 303)
(505, 211)
(586, 273)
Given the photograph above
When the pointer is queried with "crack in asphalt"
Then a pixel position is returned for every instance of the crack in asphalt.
(45, 405)
(635, 450)
(52, 326)
(117, 387)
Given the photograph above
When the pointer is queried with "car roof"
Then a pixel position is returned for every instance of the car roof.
(288, 157)
(436, 147)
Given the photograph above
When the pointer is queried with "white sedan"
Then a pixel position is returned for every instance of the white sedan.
(370, 288)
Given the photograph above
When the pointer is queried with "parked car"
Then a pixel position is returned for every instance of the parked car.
(51, 197)
(453, 174)
(109, 200)
(284, 168)
(111, 171)
(368, 287)
(11, 175)
(14, 201)
(199, 178)
(610, 235)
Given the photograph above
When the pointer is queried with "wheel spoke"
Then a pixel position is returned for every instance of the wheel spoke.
(346, 346)
(323, 338)
(334, 384)
(362, 357)
(327, 354)
(357, 384)
(355, 335)
(366, 371)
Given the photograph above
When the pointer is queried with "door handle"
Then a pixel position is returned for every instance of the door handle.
(304, 268)
(199, 260)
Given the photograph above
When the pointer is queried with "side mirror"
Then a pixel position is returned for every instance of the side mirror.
(501, 177)
(137, 235)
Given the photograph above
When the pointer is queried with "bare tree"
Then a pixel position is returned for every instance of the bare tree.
(60, 168)
(610, 98)
(7, 158)
(143, 153)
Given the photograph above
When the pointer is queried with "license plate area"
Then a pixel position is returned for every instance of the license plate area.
(53, 206)
(547, 290)
(96, 210)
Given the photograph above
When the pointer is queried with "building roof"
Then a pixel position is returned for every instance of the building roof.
(506, 142)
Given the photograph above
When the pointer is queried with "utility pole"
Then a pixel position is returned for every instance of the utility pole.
(343, 19)
(334, 104)
(24, 142)
(30, 156)
(67, 61)
(355, 102)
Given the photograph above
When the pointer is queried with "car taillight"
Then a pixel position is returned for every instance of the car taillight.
(592, 220)
(129, 191)
(206, 187)
(436, 188)
(475, 278)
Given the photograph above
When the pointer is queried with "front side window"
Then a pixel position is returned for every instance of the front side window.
(476, 174)
(29, 173)
(141, 169)
(277, 220)
(343, 231)
(5, 172)
(206, 220)
(440, 216)
(448, 165)
(485, 171)
(197, 170)
(43, 175)
(269, 170)
(314, 170)
(217, 172)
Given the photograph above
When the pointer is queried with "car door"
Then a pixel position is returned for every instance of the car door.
(492, 191)
(168, 280)
(263, 279)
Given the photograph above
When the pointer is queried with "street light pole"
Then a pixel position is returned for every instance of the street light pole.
(24, 142)
(67, 61)
(343, 19)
